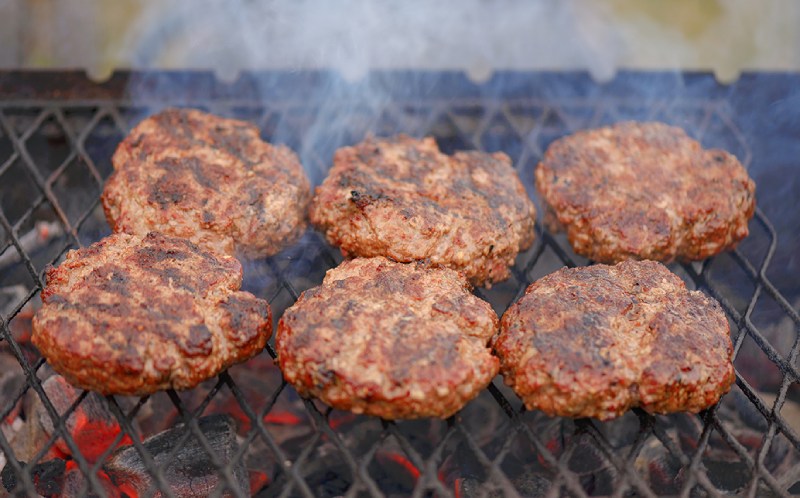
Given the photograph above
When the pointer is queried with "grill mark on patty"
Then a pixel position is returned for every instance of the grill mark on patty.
(198, 171)
(242, 310)
(113, 279)
(167, 191)
(183, 129)
(178, 126)
(199, 341)
(235, 144)
(175, 169)
(150, 254)
(100, 314)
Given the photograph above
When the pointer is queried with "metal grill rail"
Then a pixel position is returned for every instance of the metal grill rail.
(55, 154)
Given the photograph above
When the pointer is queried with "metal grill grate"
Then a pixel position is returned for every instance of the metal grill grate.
(54, 156)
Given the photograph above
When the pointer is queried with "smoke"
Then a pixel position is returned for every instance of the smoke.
(477, 36)
(353, 36)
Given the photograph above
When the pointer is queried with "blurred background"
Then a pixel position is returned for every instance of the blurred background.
(352, 36)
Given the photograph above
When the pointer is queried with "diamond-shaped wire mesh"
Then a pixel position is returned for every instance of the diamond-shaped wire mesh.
(247, 432)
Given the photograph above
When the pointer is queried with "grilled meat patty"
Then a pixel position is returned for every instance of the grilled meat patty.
(208, 179)
(389, 339)
(403, 199)
(644, 191)
(598, 340)
(133, 315)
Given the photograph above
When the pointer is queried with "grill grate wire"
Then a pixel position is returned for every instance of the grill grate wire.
(618, 461)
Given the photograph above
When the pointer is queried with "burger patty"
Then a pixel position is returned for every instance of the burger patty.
(134, 315)
(403, 199)
(644, 191)
(389, 339)
(207, 179)
(598, 340)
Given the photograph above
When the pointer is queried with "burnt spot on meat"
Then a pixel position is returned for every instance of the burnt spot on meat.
(101, 309)
(240, 310)
(181, 124)
(112, 279)
(167, 190)
(235, 144)
(177, 278)
(199, 342)
(255, 200)
(175, 124)
(199, 173)
(719, 157)
(150, 254)
(176, 167)
(166, 331)
(385, 282)
(168, 164)
(364, 199)
(247, 316)
(368, 154)
(254, 196)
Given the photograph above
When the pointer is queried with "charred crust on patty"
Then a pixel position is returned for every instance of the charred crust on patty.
(644, 191)
(208, 179)
(402, 198)
(133, 315)
(389, 339)
(596, 341)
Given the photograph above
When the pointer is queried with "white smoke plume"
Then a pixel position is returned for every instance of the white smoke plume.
(476, 36)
